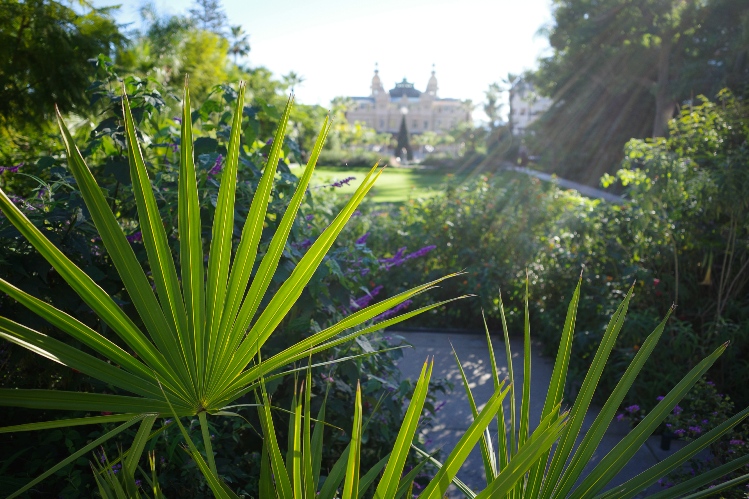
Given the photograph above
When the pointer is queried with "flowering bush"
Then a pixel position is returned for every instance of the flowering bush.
(703, 409)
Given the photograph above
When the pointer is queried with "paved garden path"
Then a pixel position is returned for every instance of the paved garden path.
(455, 416)
(583, 189)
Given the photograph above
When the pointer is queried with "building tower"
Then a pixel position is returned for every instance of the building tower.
(432, 85)
(377, 88)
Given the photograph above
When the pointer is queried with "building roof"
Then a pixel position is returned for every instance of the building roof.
(404, 88)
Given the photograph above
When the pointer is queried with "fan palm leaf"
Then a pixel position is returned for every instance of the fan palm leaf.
(203, 328)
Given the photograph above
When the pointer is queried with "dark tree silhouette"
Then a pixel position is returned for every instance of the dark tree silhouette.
(403, 142)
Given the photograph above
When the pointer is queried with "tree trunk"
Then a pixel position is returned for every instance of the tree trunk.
(665, 106)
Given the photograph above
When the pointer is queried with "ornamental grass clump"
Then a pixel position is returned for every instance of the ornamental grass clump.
(203, 323)
(518, 463)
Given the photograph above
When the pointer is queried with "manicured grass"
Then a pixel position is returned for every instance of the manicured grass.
(394, 186)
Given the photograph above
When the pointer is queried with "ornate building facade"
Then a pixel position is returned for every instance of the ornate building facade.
(526, 106)
(423, 111)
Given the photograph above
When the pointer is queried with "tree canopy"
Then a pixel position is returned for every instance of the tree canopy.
(209, 16)
(45, 47)
(621, 68)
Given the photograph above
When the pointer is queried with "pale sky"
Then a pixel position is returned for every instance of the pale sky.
(334, 44)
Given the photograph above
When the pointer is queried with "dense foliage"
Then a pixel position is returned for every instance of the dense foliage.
(45, 46)
(621, 69)
(681, 235)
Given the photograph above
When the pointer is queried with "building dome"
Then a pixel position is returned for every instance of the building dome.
(404, 89)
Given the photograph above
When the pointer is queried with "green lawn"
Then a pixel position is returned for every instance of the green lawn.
(394, 186)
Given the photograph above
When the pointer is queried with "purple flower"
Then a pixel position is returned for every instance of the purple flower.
(666, 483)
(21, 203)
(710, 383)
(177, 119)
(327, 378)
(395, 260)
(366, 299)
(138, 483)
(620, 417)
(679, 432)
(363, 239)
(343, 182)
(632, 408)
(659, 398)
(11, 169)
(137, 237)
(399, 258)
(309, 217)
(216, 166)
(736, 441)
(419, 253)
(695, 429)
(303, 245)
(364, 272)
(678, 410)
(705, 421)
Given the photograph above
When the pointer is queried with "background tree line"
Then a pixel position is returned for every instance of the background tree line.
(49, 55)
(620, 69)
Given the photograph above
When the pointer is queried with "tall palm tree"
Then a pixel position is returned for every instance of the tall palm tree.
(240, 47)
(292, 79)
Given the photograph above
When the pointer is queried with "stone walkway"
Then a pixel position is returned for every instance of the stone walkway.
(583, 189)
(455, 416)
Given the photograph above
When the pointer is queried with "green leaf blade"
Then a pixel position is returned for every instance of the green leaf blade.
(219, 257)
(191, 246)
(595, 433)
(351, 485)
(74, 358)
(584, 398)
(389, 482)
(612, 463)
(248, 245)
(174, 340)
